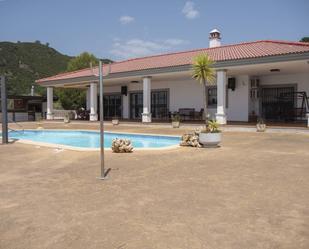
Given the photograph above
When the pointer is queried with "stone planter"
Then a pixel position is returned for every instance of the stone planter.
(115, 121)
(210, 139)
(175, 124)
(66, 119)
(261, 127)
(39, 124)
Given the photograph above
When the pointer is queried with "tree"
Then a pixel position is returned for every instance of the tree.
(203, 72)
(73, 99)
(82, 61)
(305, 39)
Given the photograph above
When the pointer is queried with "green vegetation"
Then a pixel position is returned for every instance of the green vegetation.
(24, 62)
(203, 72)
(304, 39)
(212, 127)
(72, 99)
(82, 61)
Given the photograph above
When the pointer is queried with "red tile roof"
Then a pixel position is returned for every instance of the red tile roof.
(247, 50)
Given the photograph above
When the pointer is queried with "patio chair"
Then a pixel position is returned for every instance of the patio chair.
(199, 115)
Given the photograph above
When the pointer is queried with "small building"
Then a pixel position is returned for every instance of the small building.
(24, 108)
(266, 78)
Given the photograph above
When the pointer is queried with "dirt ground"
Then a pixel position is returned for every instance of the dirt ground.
(250, 193)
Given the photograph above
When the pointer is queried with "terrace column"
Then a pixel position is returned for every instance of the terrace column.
(50, 103)
(93, 102)
(221, 96)
(88, 98)
(146, 115)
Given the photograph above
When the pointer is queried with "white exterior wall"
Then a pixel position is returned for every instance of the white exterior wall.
(182, 93)
(238, 100)
(187, 93)
(20, 116)
(302, 80)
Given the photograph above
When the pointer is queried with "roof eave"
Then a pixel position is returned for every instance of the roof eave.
(180, 68)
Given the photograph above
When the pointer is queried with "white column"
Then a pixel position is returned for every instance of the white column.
(221, 96)
(146, 115)
(308, 120)
(88, 99)
(93, 102)
(50, 104)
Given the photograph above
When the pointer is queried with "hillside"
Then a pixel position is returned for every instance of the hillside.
(24, 62)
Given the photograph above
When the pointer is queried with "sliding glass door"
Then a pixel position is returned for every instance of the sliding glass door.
(112, 106)
(159, 104)
(136, 105)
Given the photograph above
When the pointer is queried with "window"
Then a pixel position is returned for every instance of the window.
(212, 97)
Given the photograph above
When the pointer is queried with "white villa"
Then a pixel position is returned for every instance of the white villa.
(268, 79)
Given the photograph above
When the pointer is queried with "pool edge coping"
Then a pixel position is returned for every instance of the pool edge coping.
(73, 148)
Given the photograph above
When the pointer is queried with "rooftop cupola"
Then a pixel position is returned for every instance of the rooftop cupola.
(214, 38)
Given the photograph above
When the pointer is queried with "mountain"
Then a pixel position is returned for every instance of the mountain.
(24, 62)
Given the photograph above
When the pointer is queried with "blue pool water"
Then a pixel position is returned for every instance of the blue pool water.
(89, 139)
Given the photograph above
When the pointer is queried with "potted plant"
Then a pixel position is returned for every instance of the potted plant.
(175, 120)
(39, 123)
(260, 126)
(211, 135)
(204, 73)
(115, 120)
(66, 118)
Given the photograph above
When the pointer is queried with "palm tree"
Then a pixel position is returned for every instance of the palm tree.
(203, 72)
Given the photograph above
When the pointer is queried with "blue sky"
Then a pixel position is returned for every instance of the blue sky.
(121, 29)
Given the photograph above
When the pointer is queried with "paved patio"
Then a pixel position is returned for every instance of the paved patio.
(250, 193)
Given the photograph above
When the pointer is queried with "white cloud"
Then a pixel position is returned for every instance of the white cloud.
(137, 47)
(189, 10)
(126, 19)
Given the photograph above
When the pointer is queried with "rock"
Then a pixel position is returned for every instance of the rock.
(122, 145)
(190, 140)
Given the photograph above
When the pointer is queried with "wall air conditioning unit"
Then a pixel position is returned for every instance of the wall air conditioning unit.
(255, 88)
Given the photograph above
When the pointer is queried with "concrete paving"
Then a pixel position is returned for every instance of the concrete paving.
(250, 193)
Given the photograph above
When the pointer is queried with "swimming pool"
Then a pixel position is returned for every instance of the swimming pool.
(91, 139)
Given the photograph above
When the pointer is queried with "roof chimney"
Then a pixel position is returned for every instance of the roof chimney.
(214, 38)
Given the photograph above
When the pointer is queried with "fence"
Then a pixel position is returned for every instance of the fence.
(60, 114)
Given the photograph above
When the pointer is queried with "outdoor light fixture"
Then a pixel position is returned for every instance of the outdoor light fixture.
(134, 81)
(274, 70)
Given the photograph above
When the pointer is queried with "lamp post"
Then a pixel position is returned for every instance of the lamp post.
(4, 111)
(103, 174)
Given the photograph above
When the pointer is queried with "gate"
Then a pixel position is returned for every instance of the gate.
(275, 107)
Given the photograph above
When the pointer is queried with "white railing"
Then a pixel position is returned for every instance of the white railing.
(60, 114)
